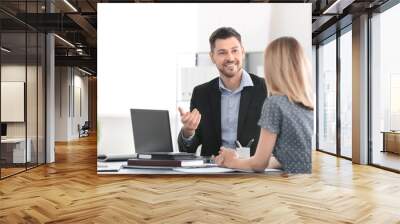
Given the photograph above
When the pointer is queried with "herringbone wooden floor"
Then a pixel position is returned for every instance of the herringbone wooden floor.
(70, 191)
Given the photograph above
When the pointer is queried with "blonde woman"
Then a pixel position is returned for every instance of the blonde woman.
(287, 116)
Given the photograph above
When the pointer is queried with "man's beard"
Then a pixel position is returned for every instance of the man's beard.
(227, 72)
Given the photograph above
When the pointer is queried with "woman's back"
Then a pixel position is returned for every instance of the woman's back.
(293, 124)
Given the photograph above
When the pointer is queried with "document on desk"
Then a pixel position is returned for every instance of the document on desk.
(211, 170)
(205, 170)
(109, 166)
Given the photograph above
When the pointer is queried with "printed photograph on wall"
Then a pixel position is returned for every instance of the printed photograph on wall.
(148, 70)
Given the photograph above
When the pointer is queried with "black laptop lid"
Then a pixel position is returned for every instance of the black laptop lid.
(3, 129)
(151, 131)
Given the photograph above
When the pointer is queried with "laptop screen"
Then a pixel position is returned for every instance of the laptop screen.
(3, 129)
(151, 131)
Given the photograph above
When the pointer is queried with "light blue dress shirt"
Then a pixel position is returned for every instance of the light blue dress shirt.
(230, 104)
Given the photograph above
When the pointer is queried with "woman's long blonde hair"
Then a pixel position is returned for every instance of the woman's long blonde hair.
(287, 71)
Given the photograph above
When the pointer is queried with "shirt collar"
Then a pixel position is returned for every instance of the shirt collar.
(244, 82)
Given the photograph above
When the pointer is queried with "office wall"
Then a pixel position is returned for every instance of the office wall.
(10, 73)
(92, 107)
(81, 103)
(140, 67)
(258, 24)
(62, 97)
(33, 126)
(71, 102)
(15, 72)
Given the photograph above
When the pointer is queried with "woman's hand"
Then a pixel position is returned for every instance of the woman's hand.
(226, 157)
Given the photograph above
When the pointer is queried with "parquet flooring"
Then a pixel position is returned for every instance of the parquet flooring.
(10, 171)
(70, 191)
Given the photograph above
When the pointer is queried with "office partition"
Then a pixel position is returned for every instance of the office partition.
(22, 76)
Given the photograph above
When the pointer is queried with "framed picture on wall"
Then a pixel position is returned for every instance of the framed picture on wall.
(12, 101)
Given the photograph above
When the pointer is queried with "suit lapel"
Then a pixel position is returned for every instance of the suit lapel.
(215, 101)
(245, 100)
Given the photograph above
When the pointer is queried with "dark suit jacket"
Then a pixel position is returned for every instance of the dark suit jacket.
(207, 99)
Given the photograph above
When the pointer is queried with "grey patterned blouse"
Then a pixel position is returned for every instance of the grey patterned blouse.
(293, 124)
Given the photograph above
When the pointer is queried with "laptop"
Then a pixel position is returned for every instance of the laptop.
(152, 132)
(3, 131)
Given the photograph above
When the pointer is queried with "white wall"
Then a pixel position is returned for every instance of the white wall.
(67, 117)
(61, 103)
(33, 126)
(258, 23)
(17, 73)
(80, 84)
(138, 67)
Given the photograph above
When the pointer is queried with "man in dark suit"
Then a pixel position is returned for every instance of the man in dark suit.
(225, 109)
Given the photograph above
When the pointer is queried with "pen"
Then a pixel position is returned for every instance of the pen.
(238, 144)
(250, 143)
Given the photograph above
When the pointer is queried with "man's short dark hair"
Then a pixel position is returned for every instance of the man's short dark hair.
(223, 33)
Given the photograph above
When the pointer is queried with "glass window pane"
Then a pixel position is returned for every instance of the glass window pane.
(385, 85)
(327, 97)
(346, 94)
(22, 89)
(31, 101)
(41, 98)
(13, 86)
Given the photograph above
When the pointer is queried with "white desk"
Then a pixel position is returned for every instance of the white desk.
(18, 149)
(122, 170)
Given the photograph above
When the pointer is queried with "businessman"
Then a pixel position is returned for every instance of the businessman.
(225, 109)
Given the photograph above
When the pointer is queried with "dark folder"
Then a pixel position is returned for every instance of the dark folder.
(168, 156)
